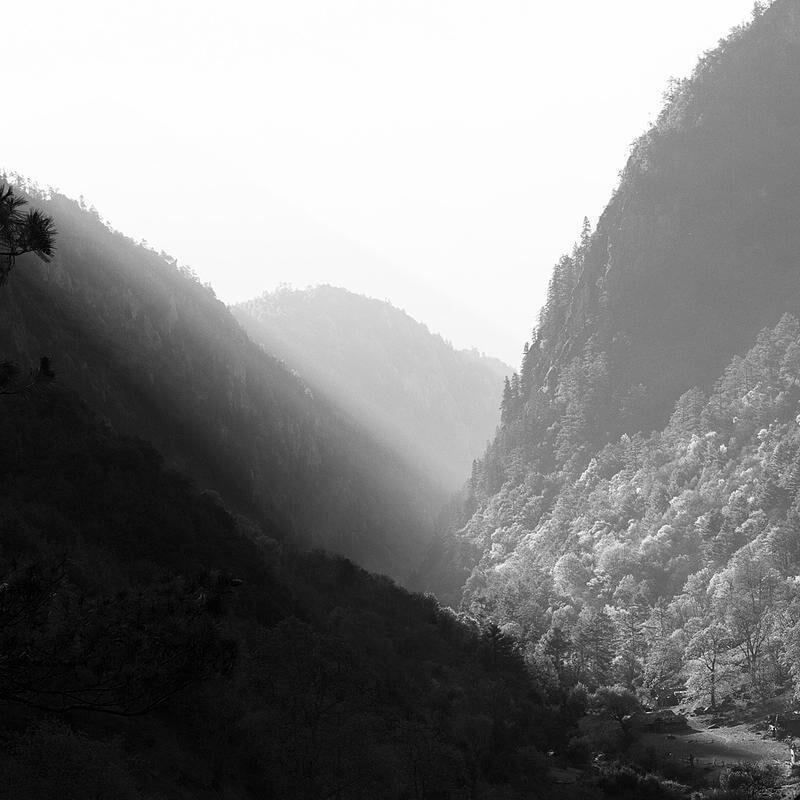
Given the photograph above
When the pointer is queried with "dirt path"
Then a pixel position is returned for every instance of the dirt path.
(718, 746)
(736, 743)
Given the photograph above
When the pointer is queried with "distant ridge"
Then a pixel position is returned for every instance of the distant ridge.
(434, 405)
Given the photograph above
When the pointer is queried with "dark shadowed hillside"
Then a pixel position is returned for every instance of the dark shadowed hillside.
(153, 646)
(434, 405)
(156, 353)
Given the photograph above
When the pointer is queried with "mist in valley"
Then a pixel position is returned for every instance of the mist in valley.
(453, 454)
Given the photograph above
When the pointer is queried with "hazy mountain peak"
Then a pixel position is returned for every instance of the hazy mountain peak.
(435, 405)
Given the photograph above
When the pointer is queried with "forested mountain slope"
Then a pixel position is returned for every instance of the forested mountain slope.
(154, 647)
(694, 254)
(697, 249)
(434, 405)
(670, 562)
(667, 561)
(156, 354)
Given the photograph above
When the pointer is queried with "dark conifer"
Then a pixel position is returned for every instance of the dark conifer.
(22, 232)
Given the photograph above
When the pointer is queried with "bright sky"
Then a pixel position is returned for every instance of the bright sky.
(437, 153)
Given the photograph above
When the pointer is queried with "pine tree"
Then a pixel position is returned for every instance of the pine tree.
(593, 647)
(507, 403)
(20, 232)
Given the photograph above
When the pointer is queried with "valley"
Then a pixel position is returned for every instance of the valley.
(303, 547)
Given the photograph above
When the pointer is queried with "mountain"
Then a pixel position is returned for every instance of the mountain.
(628, 541)
(694, 255)
(159, 642)
(696, 251)
(157, 355)
(155, 646)
(669, 563)
(663, 561)
(435, 406)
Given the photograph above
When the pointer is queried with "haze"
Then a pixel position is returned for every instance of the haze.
(437, 154)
